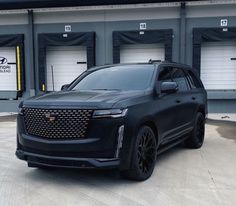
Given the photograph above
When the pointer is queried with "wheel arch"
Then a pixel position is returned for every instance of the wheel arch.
(129, 142)
(202, 110)
(150, 123)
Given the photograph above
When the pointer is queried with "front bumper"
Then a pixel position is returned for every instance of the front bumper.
(66, 162)
(97, 150)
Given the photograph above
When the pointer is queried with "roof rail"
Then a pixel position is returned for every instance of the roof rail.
(158, 61)
(167, 61)
(154, 61)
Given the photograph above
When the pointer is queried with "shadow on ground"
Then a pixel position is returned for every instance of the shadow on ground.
(226, 129)
(9, 118)
(104, 178)
(86, 177)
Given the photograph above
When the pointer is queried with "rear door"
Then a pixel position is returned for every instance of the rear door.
(198, 93)
(185, 100)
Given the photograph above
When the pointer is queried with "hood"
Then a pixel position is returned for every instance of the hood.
(86, 99)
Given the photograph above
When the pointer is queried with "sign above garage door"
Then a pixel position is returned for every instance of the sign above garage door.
(64, 64)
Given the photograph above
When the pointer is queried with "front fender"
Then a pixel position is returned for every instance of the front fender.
(130, 134)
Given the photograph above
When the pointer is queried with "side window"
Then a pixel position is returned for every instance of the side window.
(193, 80)
(179, 77)
(165, 75)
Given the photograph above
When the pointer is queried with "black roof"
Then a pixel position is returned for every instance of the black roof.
(27, 4)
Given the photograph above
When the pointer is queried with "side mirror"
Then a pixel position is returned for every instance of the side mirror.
(65, 87)
(169, 87)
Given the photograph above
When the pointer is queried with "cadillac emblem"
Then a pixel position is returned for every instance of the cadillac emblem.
(51, 117)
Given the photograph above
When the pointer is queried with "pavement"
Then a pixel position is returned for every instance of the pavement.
(4, 114)
(223, 116)
(182, 177)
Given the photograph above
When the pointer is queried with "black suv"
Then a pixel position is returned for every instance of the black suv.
(116, 116)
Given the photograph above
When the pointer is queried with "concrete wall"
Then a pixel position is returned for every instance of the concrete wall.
(105, 20)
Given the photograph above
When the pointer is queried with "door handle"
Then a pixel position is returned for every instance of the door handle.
(193, 98)
(177, 101)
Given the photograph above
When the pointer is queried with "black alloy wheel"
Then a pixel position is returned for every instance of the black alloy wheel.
(200, 130)
(146, 151)
(196, 138)
(144, 155)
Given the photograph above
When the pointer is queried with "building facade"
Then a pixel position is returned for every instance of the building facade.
(45, 45)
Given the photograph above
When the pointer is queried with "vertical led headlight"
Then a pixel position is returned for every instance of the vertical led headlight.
(119, 140)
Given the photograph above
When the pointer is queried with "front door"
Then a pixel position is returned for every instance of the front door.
(175, 108)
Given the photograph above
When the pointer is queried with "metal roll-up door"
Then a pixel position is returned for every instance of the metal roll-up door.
(64, 64)
(141, 53)
(218, 65)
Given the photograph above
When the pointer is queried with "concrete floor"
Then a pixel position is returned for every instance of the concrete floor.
(182, 177)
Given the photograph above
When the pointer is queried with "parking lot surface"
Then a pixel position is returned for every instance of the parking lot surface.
(182, 177)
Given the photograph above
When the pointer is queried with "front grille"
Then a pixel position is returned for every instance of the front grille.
(57, 123)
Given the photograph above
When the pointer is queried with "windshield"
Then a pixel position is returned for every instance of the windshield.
(123, 78)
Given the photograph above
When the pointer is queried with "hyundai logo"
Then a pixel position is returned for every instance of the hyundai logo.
(51, 117)
(3, 60)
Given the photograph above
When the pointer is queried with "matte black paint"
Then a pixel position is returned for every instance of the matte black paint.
(171, 116)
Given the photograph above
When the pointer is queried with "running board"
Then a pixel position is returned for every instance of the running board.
(173, 143)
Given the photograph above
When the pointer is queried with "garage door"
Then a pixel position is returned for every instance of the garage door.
(218, 65)
(64, 64)
(8, 79)
(139, 53)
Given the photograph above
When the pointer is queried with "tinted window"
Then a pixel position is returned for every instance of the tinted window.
(118, 78)
(193, 80)
(165, 75)
(179, 77)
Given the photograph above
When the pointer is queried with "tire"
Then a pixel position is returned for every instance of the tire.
(143, 155)
(196, 138)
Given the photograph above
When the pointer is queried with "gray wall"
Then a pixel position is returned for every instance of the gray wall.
(106, 20)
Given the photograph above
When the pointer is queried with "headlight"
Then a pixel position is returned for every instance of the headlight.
(110, 113)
